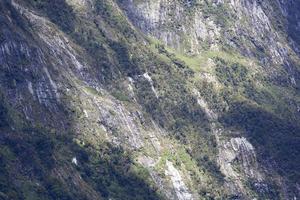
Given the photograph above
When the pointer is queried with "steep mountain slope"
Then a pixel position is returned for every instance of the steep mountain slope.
(130, 99)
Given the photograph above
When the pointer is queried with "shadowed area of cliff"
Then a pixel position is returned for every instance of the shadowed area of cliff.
(41, 163)
(274, 137)
(93, 108)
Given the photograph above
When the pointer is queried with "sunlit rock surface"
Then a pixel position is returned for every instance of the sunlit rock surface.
(161, 99)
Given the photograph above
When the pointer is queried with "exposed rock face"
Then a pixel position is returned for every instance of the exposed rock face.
(169, 22)
(237, 157)
(181, 190)
(237, 160)
(244, 25)
(106, 112)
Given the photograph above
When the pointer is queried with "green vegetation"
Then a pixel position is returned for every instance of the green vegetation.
(113, 17)
(110, 171)
(221, 13)
(114, 174)
(231, 74)
(198, 63)
(41, 153)
(120, 96)
(58, 11)
(36, 159)
(276, 138)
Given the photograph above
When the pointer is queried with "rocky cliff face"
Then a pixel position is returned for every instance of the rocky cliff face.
(253, 28)
(147, 99)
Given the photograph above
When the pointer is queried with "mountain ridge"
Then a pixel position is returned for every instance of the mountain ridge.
(115, 100)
